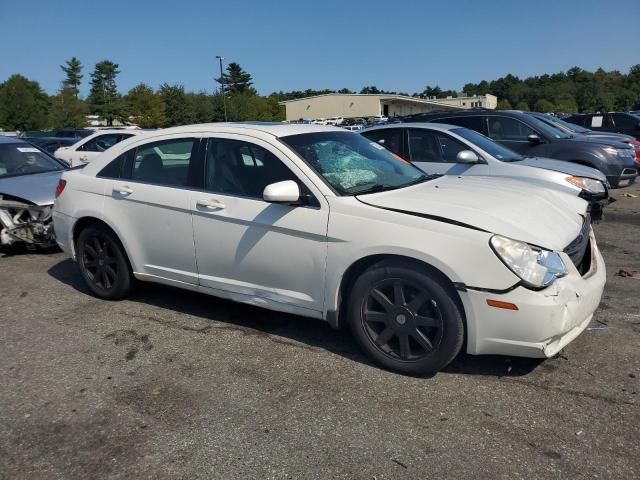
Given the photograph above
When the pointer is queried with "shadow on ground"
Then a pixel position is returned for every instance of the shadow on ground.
(313, 333)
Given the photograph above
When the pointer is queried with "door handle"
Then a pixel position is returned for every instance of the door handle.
(210, 204)
(123, 190)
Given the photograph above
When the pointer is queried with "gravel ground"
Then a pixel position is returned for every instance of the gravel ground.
(172, 384)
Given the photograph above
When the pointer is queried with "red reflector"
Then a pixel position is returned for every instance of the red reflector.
(499, 304)
(60, 187)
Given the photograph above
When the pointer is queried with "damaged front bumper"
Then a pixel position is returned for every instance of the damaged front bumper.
(545, 321)
(22, 222)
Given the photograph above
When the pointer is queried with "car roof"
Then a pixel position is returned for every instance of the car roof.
(277, 129)
(6, 139)
(443, 127)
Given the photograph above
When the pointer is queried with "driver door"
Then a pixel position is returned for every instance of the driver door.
(259, 251)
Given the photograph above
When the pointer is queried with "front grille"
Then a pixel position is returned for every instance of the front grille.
(579, 250)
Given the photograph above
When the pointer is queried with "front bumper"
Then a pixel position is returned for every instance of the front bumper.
(625, 178)
(546, 320)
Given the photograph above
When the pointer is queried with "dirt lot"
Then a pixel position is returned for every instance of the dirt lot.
(171, 384)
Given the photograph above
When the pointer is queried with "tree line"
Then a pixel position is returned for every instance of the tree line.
(25, 106)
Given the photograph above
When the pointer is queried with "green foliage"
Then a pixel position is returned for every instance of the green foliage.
(177, 110)
(544, 106)
(522, 106)
(236, 80)
(146, 108)
(571, 91)
(72, 70)
(504, 105)
(104, 99)
(23, 104)
(67, 111)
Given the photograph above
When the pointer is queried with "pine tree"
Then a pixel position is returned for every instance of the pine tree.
(104, 99)
(236, 80)
(73, 71)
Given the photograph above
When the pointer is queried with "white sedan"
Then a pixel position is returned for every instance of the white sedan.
(89, 147)
(322, 222)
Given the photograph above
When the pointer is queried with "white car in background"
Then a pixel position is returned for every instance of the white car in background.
(322, 222)
(441, 149)
(89, 147)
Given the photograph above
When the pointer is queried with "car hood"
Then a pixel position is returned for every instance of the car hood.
(615, 137)
(569, 168)
(548, 218)
(38, 188)
(592, 140)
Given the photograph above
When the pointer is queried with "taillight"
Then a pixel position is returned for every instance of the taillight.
(60, 187)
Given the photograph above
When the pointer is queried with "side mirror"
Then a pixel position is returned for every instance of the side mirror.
(467, 156)
(286, 191)
(534, 139)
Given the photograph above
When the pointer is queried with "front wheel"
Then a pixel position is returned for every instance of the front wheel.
(103, 263)
(405, 319)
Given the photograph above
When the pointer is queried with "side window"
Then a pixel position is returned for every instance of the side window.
(390, 138)
(623, 122)
(241, 168)
(470, 122)
(450, 148)
(508, 129)
(101, 143)
(115, 168)
(430, 146)
(166, 162)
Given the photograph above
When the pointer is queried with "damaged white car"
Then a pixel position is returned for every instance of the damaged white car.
(324, 223)
(28, 180)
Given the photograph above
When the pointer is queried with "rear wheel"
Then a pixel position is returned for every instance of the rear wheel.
(405, 319)
(103, 263)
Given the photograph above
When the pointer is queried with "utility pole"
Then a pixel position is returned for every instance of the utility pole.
(224, 98)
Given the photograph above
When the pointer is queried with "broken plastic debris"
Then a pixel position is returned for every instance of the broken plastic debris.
(630, 195)
(629, 272)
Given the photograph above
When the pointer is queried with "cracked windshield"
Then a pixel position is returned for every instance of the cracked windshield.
(351, 164)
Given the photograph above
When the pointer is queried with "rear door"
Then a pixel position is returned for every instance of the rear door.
(147, 196)
(261, 251)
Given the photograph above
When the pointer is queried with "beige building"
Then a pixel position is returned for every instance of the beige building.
(351, 105)
(477, 101)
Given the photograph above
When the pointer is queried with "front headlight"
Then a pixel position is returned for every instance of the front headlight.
(621, 152)
(587, 184)
(536, 267)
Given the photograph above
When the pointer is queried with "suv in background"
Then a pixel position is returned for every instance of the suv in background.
(531, 137)
(74, 132)
(619, 122)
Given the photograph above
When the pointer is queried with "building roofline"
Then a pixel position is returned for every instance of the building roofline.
(383, 96)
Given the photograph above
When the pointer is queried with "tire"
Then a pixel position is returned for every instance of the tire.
(103, 263)
(405, 319)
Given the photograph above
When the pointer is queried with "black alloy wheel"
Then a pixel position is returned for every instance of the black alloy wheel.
(103, 262)
(100, 262)
(406, 318)
(402, 319)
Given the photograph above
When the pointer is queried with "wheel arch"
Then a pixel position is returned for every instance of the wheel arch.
(88, 220)
(336, 314)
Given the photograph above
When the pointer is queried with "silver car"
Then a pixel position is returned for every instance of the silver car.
(28, 180)
(441, 149)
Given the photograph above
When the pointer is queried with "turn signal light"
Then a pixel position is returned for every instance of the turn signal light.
(60, 187)
(499, 304)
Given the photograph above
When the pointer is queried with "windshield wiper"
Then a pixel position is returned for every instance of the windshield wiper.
(383, 187)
